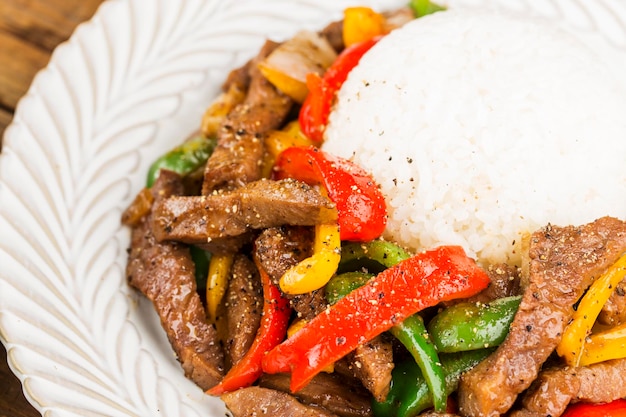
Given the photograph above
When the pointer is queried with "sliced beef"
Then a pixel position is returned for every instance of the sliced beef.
(164, 273)
(564, 261)
(257, 205)
(332, 391)
(371, 363)
(280, 248)
(238, 77)
(258, 401)
(237, 158)
(557, 387)
(243, 305)
(614, 311)
(333, 32)
(504, 282)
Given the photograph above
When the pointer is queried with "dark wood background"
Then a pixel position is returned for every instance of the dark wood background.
(29, 32)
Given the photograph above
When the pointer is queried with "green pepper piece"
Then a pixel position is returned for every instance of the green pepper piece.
(375, 255)
(201, 259)
(418, 398)
(183, 159)
(413, 335)
(406, 379)
(468, 326)
(340, 285)
(424, 7)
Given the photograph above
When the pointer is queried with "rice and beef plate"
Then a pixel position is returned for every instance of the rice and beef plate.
(399, 215)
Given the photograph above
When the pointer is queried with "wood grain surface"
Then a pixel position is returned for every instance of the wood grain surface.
(29, 32)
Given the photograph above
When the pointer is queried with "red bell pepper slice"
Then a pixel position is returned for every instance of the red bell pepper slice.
(315, 110)
(272, 330)
(360, 203)
(424, 280)
(615, 408)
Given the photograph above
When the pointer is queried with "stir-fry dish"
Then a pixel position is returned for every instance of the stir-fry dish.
(265, 258)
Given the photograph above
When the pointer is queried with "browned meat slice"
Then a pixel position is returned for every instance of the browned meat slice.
(238, 77)
(164, 273)
(505, 282)
(557, 387)
(371, 363)
(333, 32)
(563, 263)
(237, 158)
(614, 311)
(258, 401)
(244, 305)
(280, 248)
(331, 391)
(258, 205)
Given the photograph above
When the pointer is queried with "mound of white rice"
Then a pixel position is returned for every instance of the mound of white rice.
(480, 127)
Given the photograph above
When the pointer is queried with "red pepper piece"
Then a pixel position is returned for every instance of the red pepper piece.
(272, 331)
(441, 274)
(315, 110)
(615, 408)
(360, 204)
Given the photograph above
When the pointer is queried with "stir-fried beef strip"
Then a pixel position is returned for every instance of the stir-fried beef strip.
(557, 387)
(505, 282)
(564, 261)
(334, 392)
(256, 401)
(236, 159)
(257, 205)
(614, 311)
(333, 32)
(243, 307)
(238, 77)
(371, 363)
(280, 248)
(164, 273)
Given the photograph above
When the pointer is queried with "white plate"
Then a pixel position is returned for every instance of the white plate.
(127, 86)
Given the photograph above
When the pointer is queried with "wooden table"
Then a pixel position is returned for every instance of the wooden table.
(29, 32)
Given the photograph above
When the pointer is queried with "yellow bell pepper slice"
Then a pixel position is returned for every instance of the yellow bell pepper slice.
(604, 346)
(574, 337)
(217, 282)
(361, 24)
(279, 140)
(217, 111)
(314, 272)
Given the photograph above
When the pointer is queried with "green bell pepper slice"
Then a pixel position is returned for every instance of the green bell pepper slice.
(409, 394)
(375, 256)
(183, 159)
(468, 326)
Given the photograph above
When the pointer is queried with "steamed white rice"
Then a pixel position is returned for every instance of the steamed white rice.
(480, 127)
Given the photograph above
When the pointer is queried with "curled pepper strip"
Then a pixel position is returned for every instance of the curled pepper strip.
(316, 108)
(573, 341)
(315, 271)
(413, 335)
(272, 331)
(421, 281)
(360, 203)
(217, 281)
(604, 346)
